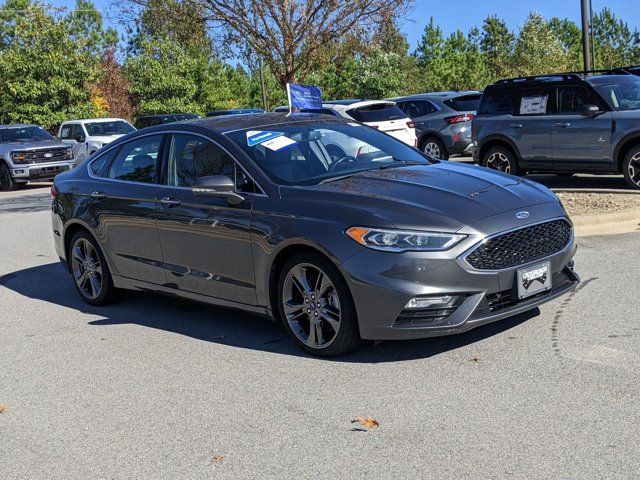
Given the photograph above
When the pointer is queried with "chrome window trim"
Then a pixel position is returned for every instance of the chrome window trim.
(169, 132)
(462, 258)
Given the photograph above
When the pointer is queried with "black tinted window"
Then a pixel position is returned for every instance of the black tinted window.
(100, 164)
(76, 132)
(136, 161)
(417, 108)
(466, 103)
(497, 102)
(192, 157)
(376, 113)
(65, 132)
(574, 98)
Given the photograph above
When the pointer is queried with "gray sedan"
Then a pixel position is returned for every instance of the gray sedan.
(252, 212)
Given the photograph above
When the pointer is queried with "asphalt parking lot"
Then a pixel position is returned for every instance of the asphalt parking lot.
(152, 387)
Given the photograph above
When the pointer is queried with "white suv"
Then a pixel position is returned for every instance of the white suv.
(91, 134)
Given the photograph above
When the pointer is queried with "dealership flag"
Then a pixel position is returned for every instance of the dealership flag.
(303, 96)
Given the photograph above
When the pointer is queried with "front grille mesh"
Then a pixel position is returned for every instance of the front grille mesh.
(521, 246)
(50, 155)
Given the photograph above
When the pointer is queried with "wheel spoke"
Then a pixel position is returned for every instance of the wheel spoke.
(292, 310)
(300, 280)
(95, 286)
(77, 254)
(331, 318)
(319, 335)
(311, 339)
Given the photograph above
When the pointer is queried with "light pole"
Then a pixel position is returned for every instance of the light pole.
(585, 35)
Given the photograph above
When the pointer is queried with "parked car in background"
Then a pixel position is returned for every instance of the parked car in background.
(382, 115)
(236, 111)
(561, 123)
(29, 152)
(443, 121)
(251, 212)
(89, 135)
(153, 120)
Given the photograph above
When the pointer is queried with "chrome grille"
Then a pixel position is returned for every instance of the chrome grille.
(48, 155)
(521, 246)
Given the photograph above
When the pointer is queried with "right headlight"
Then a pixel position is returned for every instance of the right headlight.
(18, 157)
(403, 240)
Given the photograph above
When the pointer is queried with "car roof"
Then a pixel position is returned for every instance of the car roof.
(346, 101)
(158, 115)
(342, 107)
(19, 125)
(95, 120)
(607, 79)
(439, 95)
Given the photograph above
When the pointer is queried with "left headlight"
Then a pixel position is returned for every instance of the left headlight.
(69, 154)
(403, 240)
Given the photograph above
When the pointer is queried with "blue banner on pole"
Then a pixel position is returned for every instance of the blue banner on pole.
(304, 96)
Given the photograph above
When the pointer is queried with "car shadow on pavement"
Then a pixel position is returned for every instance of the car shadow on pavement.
(51, 283)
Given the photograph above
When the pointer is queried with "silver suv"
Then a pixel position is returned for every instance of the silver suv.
(561, 123)
(29, 152)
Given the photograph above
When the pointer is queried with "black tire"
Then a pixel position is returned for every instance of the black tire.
(6, 180)
(501, 159)
(107, 292)
(631, 167)
(348, 336)
(431, 145)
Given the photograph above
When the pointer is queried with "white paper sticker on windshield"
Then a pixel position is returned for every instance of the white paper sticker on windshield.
(353, 124)
(534, 105)
(255, 137)
(279, 143)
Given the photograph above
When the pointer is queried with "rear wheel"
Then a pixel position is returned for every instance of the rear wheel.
(90, 270)
(631, 167)
(433, 148)
(6, 181)
(316, 307)
(501, 159)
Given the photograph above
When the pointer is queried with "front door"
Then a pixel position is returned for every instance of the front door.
(579, 141)
(123, 200)
(206, 241)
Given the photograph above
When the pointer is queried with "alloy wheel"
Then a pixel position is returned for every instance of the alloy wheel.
(634, 169)
(311, 305)
(498, 161)
(432, 149)
(87, 269)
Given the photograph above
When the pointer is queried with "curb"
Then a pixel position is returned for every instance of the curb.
(606, 223)
(615, 191)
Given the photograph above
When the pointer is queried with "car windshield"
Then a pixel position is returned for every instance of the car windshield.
(24, 134)
(117, 127)
(624, 94)
(310, 153)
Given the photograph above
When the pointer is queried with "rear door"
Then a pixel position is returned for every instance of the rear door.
(581, 142)
(206, 241)
(531, 126)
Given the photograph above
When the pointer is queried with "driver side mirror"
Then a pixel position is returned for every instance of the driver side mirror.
(79, 138)
(591, 111)
(217, 186)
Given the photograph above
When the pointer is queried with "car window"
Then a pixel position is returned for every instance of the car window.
(623, 94)
(192, 157)
(76, 131)
(572, 99)
(417, 108)
(65, 132)
(466, 103)
(497, 102)
(24, 134)
(137, 160)
(100, 164)
(379, 112)
(537, 101)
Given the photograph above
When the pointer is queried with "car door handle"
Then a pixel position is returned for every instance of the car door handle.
(515, 125)
(563, 124)
(169, 202)
(98, 195)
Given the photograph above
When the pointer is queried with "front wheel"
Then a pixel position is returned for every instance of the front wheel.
(631, 167)
(6, 180)
(316, 307)
(90, 270)
(501, 159)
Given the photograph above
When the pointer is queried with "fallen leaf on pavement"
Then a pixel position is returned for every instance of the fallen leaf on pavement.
(476, 359)
(367, 422)
(217, 459)
(4, 408)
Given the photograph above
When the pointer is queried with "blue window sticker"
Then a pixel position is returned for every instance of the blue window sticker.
(255, 137)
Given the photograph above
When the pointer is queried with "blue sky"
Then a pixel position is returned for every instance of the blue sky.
(465, 14)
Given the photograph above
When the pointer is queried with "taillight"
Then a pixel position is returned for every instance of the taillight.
(54, 191)
(411, 124)
(467, 117)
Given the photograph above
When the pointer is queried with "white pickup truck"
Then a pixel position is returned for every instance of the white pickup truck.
(91, 134)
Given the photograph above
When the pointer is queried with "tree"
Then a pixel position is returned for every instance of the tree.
(289, 35)
(85, 22)
(430, 58)
(615, 44)
(538, 50)
(46, 74)
(114, 87)
(497, 44)
(570, 37)
(378, 75)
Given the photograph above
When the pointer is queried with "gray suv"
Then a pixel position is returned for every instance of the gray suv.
(442, 120)
(29, 152)
(563, 123)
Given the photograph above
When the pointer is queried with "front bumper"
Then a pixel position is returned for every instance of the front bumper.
(382, 283)
(40, 171)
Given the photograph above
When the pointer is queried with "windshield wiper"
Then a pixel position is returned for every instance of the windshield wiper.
(341, 177)
(400, 163)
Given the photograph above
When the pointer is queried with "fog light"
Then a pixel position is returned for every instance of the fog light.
(429, 302)
(18, 171)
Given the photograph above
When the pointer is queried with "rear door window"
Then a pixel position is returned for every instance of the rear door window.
(137, 160)
(376, 113)
(417, 108)
(465, 103)
(537, 101)
(497, 102)
(65, 132)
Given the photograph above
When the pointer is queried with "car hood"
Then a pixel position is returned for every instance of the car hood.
(442, 195)
(32, 145)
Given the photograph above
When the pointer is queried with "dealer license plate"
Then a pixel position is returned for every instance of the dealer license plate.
(533, 280)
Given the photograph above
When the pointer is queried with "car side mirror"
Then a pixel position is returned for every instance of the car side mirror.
(79, 138)
(591, 111)
(217, 186)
